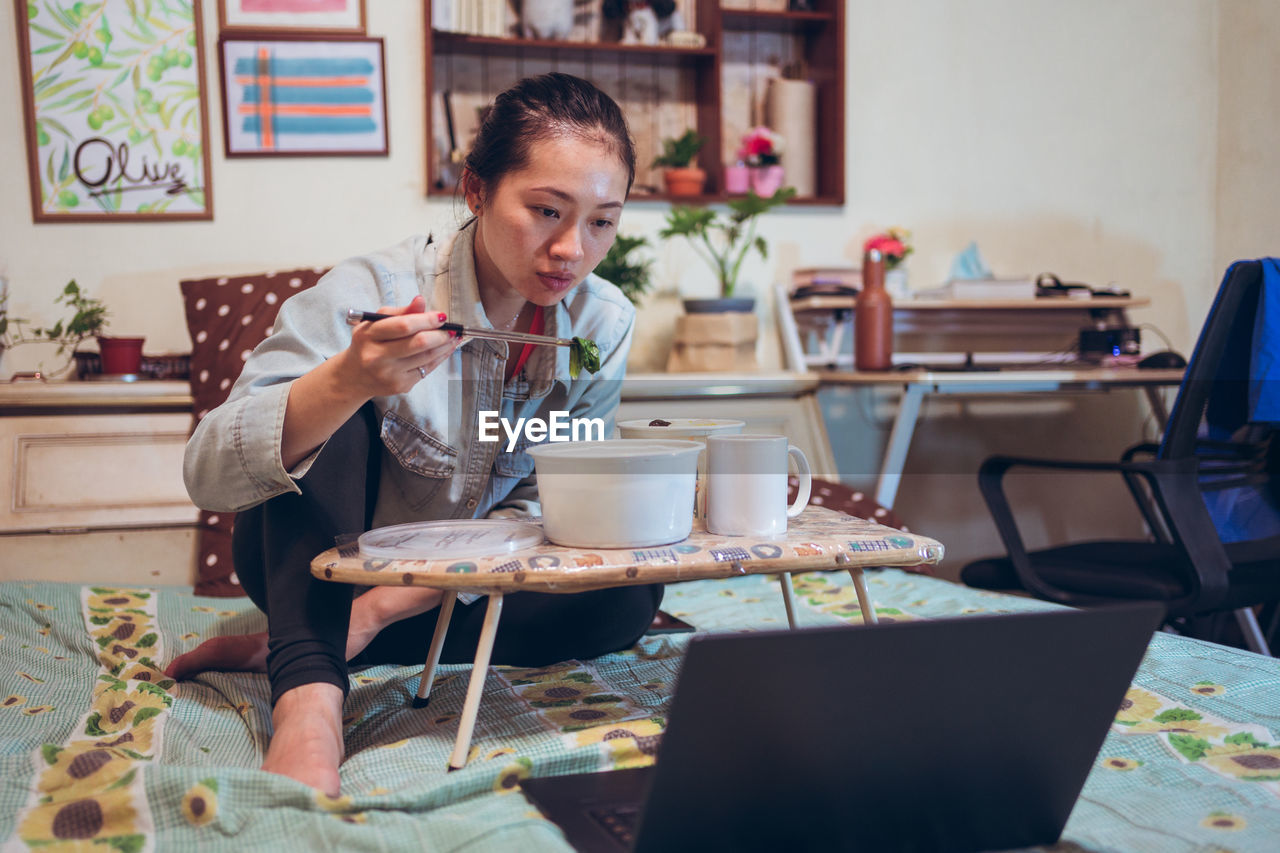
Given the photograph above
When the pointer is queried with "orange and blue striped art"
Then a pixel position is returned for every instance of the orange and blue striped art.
(304, 97)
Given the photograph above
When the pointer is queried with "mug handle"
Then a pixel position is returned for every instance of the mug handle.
(806, 481)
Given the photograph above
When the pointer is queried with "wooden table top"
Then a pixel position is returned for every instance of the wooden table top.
(818, 538)
(1064, 375)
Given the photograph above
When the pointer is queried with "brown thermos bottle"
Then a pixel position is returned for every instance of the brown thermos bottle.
(873, 318)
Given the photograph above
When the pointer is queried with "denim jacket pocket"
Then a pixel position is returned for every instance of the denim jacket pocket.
(418, 453)
(517, 463)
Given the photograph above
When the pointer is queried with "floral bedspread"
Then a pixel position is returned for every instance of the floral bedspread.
(98, 751)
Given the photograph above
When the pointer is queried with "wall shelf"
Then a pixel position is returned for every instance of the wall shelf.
(719, 89)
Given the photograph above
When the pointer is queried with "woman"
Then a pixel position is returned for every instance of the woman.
(331, 431)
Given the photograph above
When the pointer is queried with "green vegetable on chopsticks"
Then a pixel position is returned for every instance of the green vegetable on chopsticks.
(583, 355)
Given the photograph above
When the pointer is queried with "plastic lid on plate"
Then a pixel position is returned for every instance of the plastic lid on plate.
(446, 540)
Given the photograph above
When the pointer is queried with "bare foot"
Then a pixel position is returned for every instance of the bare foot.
(232, 653)
(307, 740)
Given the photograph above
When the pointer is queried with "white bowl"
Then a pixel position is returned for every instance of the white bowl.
(618, 493)
(696, 429)
(679, 428)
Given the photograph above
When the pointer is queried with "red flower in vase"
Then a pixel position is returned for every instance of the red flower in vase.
(892, 244)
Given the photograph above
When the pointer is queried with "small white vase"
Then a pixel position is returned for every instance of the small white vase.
(895, 283)
(546, 19)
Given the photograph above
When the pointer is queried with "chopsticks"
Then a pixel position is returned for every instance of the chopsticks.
(355, 316)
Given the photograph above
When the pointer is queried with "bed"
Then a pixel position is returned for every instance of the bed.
(101, 752)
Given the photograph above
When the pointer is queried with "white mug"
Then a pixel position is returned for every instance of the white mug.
(747, 484)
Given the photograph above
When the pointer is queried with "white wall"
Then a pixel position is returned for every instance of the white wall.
(1248, 222)
(1083, 138)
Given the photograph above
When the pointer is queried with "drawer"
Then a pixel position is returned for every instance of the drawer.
(93, 471)
(148, 557)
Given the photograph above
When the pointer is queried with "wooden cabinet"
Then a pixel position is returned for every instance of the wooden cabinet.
(719, 89)
(92, 482)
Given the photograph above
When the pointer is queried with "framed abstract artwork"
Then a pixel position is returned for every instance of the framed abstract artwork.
(326, 17)
(114, 106)
(303, 96)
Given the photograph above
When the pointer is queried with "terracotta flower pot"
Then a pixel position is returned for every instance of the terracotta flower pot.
(120, 356)
(686, 181)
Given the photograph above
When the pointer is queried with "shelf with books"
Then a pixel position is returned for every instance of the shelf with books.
(548, 48)
(718, 90)
(745, 19)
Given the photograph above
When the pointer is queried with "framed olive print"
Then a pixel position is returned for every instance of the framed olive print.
(114, 107)
(303, 96)
(322, 17)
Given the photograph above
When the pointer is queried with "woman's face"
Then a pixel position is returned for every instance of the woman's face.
(542, 229)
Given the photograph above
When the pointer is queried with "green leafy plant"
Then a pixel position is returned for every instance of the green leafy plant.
(725, 242)
(88, 319)
(630, 273)
(678, 152)
(5, 340)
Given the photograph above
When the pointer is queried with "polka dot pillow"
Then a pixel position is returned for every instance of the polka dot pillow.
(227, 317)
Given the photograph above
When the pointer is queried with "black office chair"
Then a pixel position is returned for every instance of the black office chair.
(1209, 492)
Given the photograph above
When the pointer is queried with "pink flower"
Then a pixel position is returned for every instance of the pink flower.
(892, 244)
(760, 147)
(889, 247)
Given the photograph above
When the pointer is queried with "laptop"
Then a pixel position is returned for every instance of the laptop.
(962, 734)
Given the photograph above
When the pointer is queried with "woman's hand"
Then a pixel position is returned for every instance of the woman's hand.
(385, 357)
(390, 356)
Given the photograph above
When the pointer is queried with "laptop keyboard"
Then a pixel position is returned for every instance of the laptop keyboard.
(619, 821)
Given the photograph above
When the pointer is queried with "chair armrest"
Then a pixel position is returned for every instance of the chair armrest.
(1147, 447)
(1142, 498)
(1002, 464)
(991, 485)
(1176, 495)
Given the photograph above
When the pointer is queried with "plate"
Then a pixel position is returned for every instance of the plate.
(447, 540)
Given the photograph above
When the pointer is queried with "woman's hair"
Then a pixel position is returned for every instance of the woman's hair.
(544, 107)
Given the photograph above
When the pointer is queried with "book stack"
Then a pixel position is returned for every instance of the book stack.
(812, 281)
(984, 288)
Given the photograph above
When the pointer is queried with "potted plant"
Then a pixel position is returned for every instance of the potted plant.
(6, 340)
(630, 274)
(761, 151)
(724, 242)
(120, 356)
(681, 177)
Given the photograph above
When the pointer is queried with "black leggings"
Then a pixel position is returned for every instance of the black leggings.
(308, 619)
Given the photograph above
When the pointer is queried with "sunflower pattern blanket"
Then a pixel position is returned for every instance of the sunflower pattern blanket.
(100, 752)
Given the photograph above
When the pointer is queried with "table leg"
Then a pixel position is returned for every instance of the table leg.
(895, 454)
(433, 654)
(789, 599)
(479, 669)
(1156, 401)
(864, 597)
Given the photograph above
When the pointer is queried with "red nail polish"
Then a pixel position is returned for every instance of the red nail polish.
(442, 316)
(452, 333)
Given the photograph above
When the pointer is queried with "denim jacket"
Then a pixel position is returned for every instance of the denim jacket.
(435, 465)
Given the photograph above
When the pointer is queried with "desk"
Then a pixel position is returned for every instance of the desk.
(994, 329)
(818, 538)
(916, 384)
